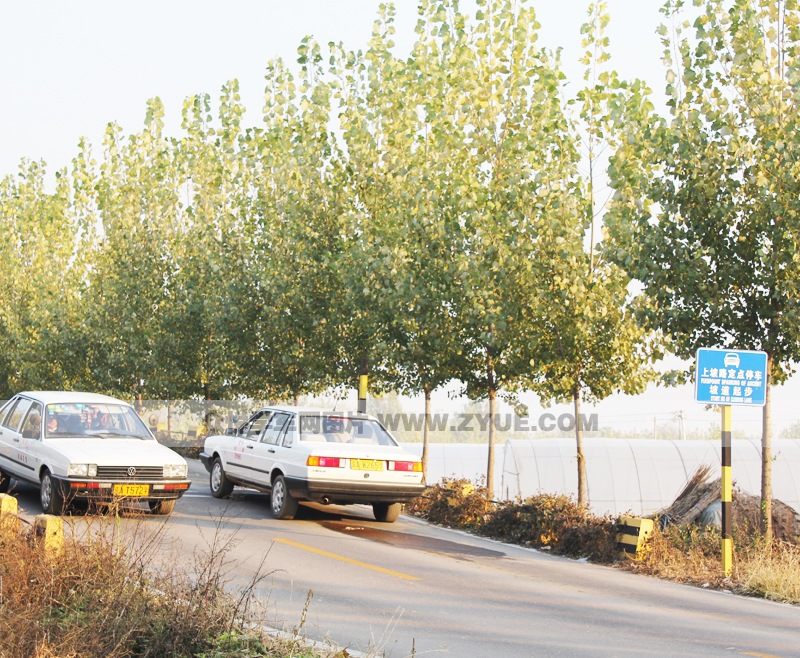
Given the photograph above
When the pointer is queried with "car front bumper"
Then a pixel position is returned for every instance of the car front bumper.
(108, 490)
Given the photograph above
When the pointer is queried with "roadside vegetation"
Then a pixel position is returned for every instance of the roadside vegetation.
(118, 594)
(461, 212)
(685, 553)
(121, 597)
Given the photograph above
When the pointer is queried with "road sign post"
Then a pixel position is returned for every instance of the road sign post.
(726, 378)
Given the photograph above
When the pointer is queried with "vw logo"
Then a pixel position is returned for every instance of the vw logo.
(131, 471)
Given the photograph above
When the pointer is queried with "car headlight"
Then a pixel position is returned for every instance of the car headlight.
(176, 470)
(82, 470)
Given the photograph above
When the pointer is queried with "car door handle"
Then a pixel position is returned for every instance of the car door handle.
(271, 450)
(249, 447)
(16, 439)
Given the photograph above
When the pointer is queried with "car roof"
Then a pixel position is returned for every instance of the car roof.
(315, 411)
(66, 397)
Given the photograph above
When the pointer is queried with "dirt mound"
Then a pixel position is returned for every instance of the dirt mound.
(699, 503)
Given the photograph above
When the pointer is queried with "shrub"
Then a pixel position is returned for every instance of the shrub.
(552, 522)
(453, 503)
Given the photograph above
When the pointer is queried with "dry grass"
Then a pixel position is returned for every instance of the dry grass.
(682, 552)
(773, 573)
(120, 596)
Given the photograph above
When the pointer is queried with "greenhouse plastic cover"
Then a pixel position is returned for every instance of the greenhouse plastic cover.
(638, 476)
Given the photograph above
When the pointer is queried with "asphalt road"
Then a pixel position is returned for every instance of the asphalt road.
(410, 589)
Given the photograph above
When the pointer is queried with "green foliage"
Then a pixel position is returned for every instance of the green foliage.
(706, 214)
(426, 213)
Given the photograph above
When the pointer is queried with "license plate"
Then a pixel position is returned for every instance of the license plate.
(366, 465)
(131, 489)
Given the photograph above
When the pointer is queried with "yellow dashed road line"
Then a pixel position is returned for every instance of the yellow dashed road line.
(342, 558)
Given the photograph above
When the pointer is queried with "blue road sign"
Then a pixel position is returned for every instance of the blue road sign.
(734, 377)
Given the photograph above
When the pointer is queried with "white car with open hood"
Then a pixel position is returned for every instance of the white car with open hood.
(86, 446)
(329, 457)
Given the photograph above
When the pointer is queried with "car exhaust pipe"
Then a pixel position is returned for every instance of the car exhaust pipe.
(325, 500)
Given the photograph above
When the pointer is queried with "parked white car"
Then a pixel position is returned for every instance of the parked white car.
(85, 446)
(298, 454)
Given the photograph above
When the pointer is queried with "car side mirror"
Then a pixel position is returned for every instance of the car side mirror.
(232, 431)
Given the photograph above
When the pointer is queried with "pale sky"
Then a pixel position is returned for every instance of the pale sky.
(69, 68)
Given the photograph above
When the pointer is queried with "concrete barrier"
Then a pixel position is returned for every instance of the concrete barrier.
(632, 535)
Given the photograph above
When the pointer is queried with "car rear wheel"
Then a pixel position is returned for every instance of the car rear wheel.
(50, 495)
(221, 487)
(162, 507)
(5, 482)
(284, 506)
(386, 512)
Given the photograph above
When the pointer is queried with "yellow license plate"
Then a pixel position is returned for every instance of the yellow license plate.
(366, 465)
(131, 489)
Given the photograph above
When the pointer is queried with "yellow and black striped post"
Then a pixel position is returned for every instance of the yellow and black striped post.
(727, 495)
(362, 387)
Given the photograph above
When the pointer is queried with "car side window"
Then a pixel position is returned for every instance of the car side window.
(290, 435)
(6, 408)
(274, 430)
(256, 425)
(14, 419)
(32, 425)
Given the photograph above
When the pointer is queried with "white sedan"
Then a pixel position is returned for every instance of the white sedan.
(298, 454)
(85, 446)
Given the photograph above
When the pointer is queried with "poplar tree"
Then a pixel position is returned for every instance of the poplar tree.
(706, 213)
(588, 345)
(404, 157)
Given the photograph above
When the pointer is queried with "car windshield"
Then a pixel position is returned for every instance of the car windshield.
(343, 429)
(79, 419)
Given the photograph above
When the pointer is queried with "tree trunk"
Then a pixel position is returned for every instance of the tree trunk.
(169, 419)
(583, 496)
(490, 464)
(426, 433)
(766, 459)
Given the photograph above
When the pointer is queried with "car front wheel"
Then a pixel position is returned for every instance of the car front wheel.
(386, 512)
(162, 507)
(220, 486)
(284, 506)
(50, 495)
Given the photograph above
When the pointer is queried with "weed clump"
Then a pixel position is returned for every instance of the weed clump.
(686, 552)
(453, 503)
(124, 596)
(548, 522)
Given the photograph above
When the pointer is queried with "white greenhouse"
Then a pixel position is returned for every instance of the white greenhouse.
(639, 476)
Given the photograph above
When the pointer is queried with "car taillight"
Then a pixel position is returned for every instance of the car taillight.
(327, 462)
(414, 467)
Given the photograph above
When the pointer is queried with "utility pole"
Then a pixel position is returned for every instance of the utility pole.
(681, 432)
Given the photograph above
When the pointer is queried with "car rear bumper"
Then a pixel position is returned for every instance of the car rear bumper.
(343, 493)
(205, 458)
(85, 489)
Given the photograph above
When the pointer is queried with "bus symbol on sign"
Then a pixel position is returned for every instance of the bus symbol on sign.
(731, 377)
